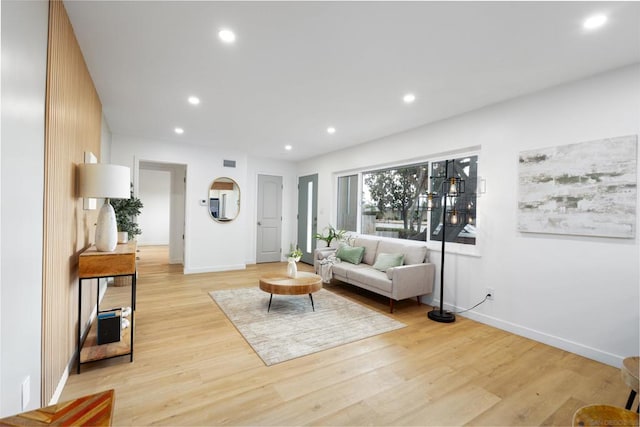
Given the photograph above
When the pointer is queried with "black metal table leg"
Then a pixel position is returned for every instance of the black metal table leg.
(632, 397)
(270, 298)
(79, 348)
(311, 297)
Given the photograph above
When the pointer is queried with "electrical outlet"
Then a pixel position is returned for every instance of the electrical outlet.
(26, 393)
(491, 293)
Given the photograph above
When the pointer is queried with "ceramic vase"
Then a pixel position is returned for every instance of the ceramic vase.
(123, 237)
(292, 268)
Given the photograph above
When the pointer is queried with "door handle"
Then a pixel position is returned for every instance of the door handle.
(259, 223)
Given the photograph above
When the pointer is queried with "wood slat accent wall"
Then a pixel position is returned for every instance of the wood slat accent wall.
(72, 126)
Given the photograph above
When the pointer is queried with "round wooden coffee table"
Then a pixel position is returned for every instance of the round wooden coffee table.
(281, 284)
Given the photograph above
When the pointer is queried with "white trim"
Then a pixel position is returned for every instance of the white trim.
(611, 359)
(215, 269)
(63, 381)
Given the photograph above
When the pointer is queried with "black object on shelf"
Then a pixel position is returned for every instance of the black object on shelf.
(109, 327)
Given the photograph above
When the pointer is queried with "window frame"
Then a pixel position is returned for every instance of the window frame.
(432, 245)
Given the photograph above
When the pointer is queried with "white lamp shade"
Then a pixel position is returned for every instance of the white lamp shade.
(99, 180)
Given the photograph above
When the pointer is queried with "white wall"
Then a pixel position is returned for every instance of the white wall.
(105, 142)
(24, 54)
(209, 245)
(154, 192)
(576, 293)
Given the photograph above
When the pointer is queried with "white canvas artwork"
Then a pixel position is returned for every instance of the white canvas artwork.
(586, 189)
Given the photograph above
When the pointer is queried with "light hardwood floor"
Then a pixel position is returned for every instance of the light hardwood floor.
(192, 367)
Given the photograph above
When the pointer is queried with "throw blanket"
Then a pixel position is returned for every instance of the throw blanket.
(326, 266)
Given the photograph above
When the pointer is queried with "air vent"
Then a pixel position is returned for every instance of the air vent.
(229, 163)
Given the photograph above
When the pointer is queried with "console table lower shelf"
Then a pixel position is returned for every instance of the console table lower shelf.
(92, 351)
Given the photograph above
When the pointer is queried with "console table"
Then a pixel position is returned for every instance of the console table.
(93, 264)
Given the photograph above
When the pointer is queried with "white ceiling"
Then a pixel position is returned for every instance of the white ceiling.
(298, 67)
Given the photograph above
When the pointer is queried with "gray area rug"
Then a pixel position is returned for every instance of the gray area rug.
(291, 329)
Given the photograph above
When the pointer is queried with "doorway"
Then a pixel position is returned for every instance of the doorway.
(161, 188)
(307, 216)
(269, 216)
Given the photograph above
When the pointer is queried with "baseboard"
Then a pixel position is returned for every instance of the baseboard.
(175, 260)
(215, 269)
(65, 375)
(63, 381)
(611, 359)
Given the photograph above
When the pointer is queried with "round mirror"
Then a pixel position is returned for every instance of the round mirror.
(224, 199)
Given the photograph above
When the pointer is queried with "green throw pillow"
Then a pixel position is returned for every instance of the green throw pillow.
(352, 254)
(386, 261)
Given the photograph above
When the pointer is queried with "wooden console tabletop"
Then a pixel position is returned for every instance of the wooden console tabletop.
(121, 261)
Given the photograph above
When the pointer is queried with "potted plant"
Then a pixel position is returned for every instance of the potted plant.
(295, 253)
(126, 212)
(331, 234)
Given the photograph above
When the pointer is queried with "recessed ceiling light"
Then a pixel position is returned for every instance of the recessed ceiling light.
(331, 130)
(227, 36)
(595, 21)
(288, 147)
(193, 100)
(179, 131)
(409, 98)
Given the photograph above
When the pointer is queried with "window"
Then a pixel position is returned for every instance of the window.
(462, 228)
(347, 203)
(394, 202)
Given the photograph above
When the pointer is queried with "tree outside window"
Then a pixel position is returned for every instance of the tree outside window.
(394, 202)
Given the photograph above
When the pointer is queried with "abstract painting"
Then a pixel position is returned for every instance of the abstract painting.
(586, 189)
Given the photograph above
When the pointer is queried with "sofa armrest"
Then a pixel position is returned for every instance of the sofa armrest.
(412, 280)
(319, 254)
(322, 253)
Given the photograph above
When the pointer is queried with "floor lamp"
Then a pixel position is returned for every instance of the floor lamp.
(104, 181)
(451, 188)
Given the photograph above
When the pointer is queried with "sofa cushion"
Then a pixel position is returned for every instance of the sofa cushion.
(371, 277)
(385, 261)
(370, 248)
(352, 254)
(341, 269)
(413, 254)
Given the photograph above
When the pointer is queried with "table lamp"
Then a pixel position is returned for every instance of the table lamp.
(104, 181)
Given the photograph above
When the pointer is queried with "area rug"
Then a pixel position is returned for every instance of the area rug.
(291, 329)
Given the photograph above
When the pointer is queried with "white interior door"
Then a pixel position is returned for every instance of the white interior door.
(269, 234)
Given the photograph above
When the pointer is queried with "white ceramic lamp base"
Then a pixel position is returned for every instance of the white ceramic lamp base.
(106, 229)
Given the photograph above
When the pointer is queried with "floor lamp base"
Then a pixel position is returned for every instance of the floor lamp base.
(442, 316)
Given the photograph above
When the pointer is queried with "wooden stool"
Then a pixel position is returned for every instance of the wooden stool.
(629, 372)
(604, 415)
(92, 410)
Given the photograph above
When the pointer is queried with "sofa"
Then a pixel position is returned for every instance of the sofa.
(413, 278)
